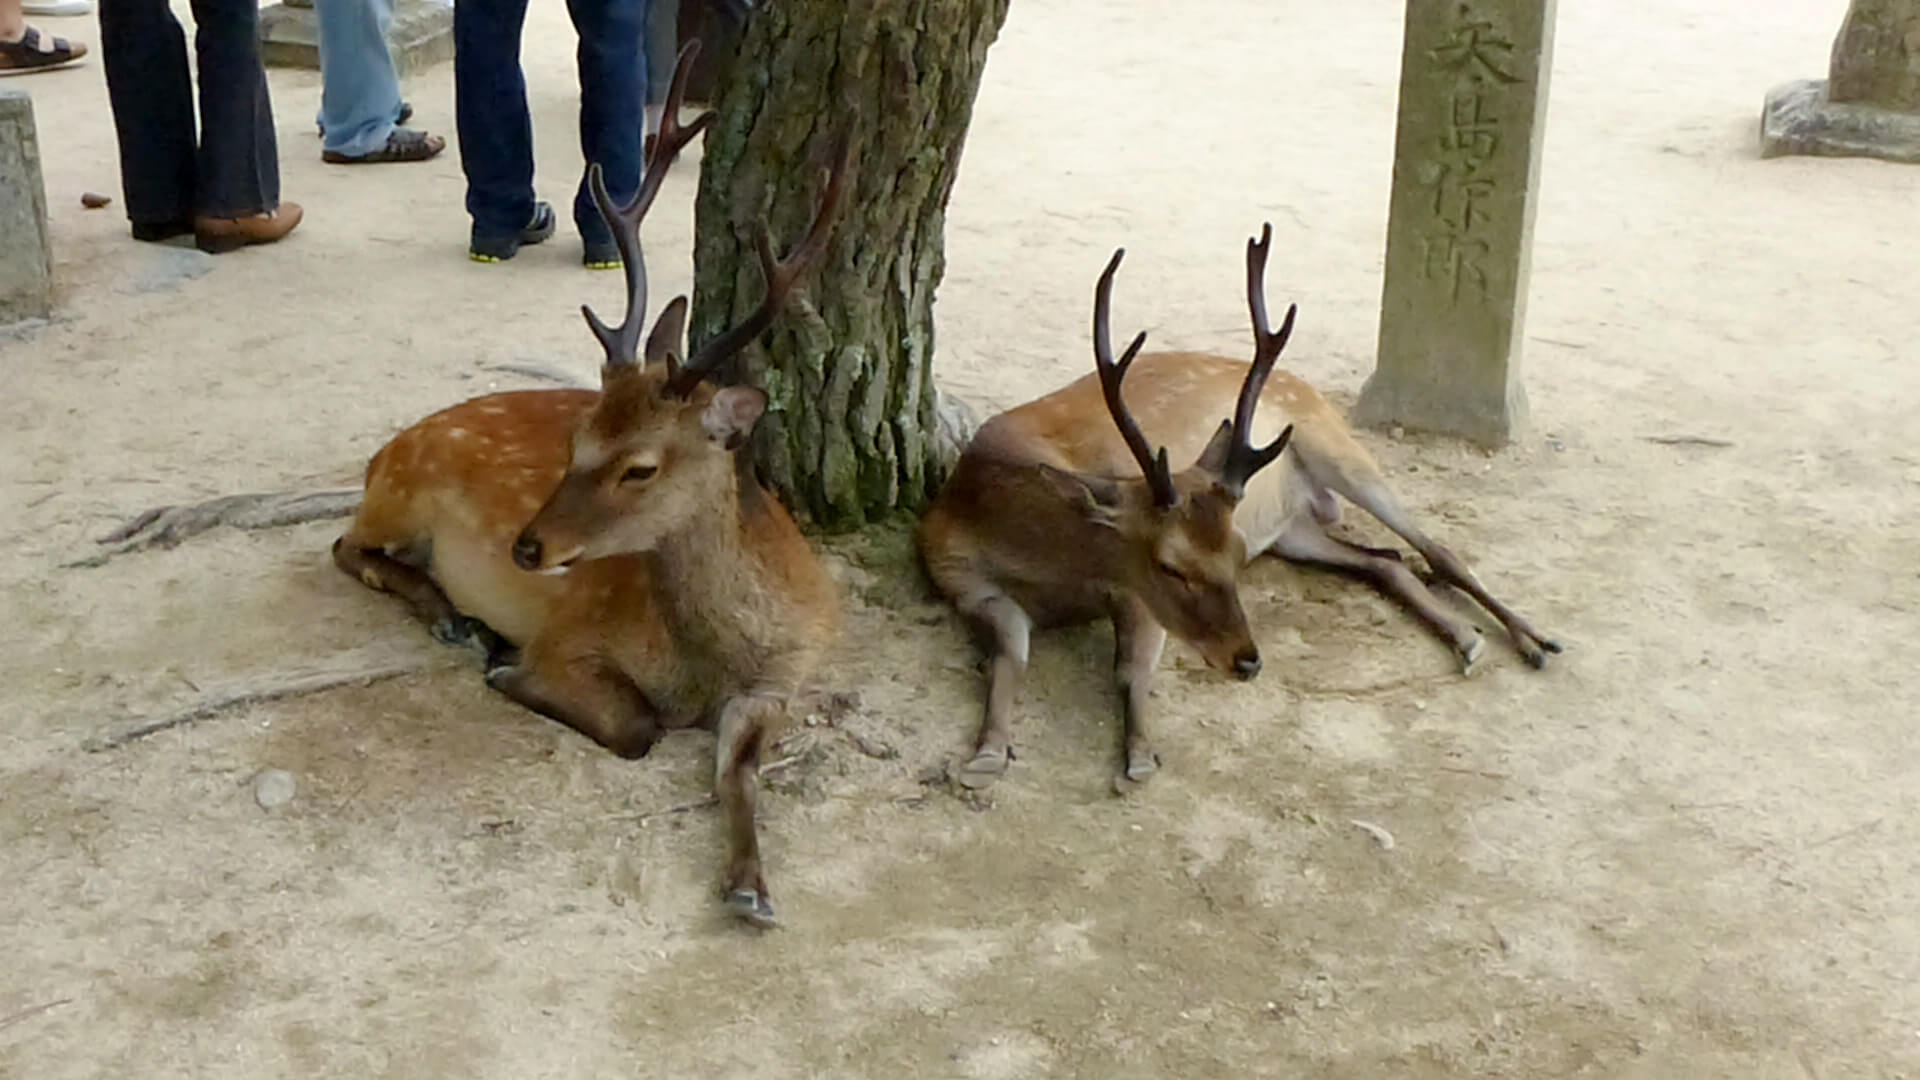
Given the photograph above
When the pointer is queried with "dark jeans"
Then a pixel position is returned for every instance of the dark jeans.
(233, 169)
(490, 105)
(663, 48)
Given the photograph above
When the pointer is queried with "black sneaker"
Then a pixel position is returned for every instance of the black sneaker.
(602, 255)
(493, 249)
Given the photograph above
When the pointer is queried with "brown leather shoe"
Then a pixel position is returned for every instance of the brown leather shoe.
(216, 235)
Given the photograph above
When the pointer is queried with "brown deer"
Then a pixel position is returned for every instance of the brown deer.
(619, 539)
(1059, 512)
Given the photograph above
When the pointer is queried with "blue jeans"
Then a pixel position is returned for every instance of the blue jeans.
(360, 94)
(496, 134)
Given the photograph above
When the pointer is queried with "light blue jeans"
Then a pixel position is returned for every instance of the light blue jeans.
(359, 92)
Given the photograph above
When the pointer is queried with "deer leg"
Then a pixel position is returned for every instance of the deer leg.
(1306, 541)
(747, 725)
(377, 570)
(1007, 629)
(1372, 495)
(588, 697)
(1138, 640)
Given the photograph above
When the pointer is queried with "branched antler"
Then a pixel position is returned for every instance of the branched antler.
(781, 276)
(622, 342)
(1243, 458)
(1159, 477)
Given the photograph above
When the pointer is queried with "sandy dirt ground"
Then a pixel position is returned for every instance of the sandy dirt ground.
(1688, 850)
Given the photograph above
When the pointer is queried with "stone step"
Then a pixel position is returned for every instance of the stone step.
(421, 35)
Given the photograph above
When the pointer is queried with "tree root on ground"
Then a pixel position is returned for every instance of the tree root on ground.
(165, 526)
(271, 686)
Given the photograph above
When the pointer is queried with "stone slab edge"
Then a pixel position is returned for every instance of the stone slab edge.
(421, 35)
(1799, 118)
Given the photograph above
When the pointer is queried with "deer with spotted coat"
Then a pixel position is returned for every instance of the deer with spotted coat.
(619, 539)
(1060, 512)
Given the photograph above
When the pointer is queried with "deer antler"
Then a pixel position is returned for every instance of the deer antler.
(622, 342)
(1159, 477)
(780, 276)
(1243, 458)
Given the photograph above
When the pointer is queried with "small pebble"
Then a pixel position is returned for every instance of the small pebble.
(273, 788)
(93, 200)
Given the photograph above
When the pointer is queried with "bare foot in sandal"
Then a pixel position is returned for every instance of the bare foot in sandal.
(405, 144)
(32, 51)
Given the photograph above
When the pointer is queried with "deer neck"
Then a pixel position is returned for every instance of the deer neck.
(707, 575)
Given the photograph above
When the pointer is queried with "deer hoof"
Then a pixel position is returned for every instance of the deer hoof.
(453, 630)
(1470, 653)
(752, 907)
(499, 677)
(984, 768)
(1535, 649)
(1140, 769)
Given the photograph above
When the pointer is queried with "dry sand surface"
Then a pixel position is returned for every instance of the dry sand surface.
(1688, 850)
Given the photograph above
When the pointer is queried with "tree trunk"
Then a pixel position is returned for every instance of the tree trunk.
(853, 431)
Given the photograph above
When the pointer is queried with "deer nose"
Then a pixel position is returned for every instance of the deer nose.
(1247, 664)
(526, 553)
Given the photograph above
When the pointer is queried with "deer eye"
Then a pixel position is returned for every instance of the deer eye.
(637, 473)
(1176, 575)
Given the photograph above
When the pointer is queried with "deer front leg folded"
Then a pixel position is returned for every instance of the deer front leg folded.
(588, 696)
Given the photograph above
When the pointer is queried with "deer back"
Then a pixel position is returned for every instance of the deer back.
(1178, 398)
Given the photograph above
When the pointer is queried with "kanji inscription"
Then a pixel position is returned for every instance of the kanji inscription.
(1479, 56)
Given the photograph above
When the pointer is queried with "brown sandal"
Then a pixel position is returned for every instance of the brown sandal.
(26, 56)
(405, 144)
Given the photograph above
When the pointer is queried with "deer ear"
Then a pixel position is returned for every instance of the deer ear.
(1096, 497)
(1213, 459)
(731, 414)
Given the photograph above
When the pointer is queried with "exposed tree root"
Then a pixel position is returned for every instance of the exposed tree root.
(165, 526)
(533, 369)
(272, 686)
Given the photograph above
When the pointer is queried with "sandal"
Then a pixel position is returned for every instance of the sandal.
(26, 56)
(404, 144)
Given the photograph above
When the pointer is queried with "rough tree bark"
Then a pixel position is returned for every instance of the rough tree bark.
(854, 430)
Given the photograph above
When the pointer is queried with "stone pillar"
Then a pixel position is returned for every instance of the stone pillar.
(26, 256)
(421, 35)
(1869, 106)
(1473, 96)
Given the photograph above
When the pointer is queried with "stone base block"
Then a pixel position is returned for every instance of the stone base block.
(1490, 416)
(421, 36)
(26, 255)
(1799, 118)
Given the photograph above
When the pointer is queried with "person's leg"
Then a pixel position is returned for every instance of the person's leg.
(151, 95)
(663, 52)
(496, 133)
(359, 91)
(239, 158)
(663, 48)
(360, 106)
(613, 93)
